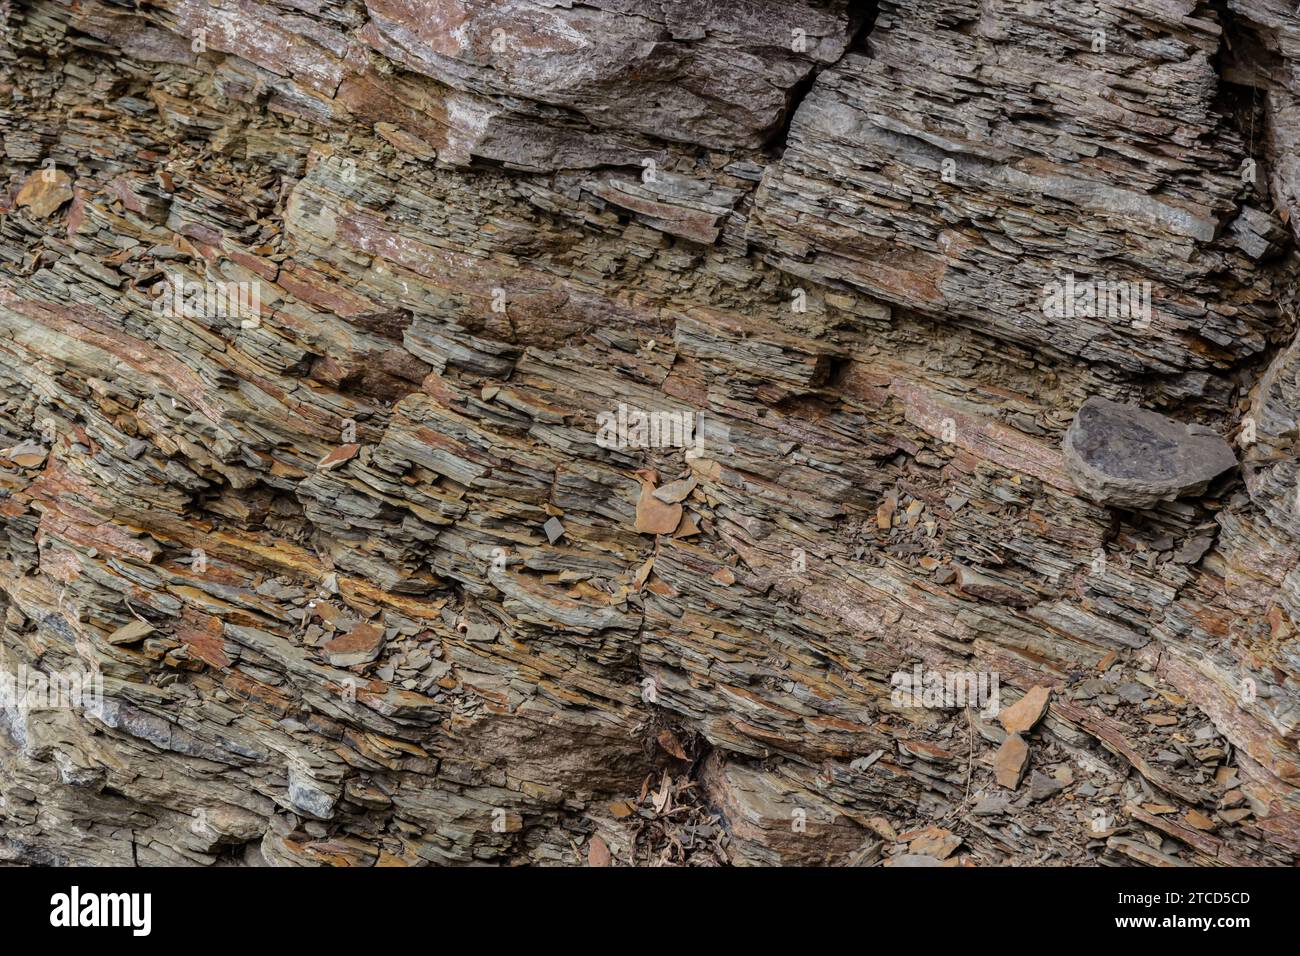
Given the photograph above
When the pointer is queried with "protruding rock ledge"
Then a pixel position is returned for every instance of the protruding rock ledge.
(1129, 457)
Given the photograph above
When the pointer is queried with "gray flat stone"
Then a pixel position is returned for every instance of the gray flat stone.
(1129, 457)
(554, 530)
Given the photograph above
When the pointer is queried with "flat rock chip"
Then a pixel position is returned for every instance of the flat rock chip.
(1021, 716)
(936, 842)
(1041, 786)
(338, 456)
(675, 491)
(131, 632)
(598, 853)
(361, 645)
(25, 456)
(44, 192)
(1129, 457)
(654, 516)
(992, 805)
(913, 860)
(1010, 761)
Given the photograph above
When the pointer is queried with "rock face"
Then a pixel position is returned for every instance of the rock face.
(973, 204)
(612, 433)
(1131, 457)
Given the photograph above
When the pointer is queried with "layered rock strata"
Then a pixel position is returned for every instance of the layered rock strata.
(458, 432)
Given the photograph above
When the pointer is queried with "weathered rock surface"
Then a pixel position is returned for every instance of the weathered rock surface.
(977, 153)
(631, 396)
(1130, 457)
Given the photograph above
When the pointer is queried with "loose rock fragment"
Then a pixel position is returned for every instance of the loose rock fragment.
(338, 456)
(44, 191)
(654, 516)
(131, 632)
(1021, 716)
(25, 456)
(1130, 457)
(361, 645)
(1010, 761)
(598, 852)
(554, 529)
(1041, 786)
(675, 491)
(934, 841)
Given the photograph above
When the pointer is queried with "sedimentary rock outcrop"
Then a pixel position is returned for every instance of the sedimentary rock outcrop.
(455, 432)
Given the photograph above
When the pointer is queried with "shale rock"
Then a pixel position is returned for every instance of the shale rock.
(624, 399)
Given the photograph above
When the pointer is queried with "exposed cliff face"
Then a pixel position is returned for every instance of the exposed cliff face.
(448, 432)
